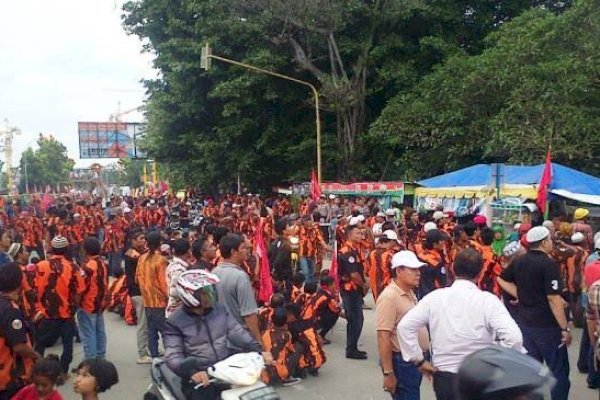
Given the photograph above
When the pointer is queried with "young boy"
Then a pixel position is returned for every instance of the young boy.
(304, 333)
(308, 302)
(327, 307)
(265, 314)
(278, 341)
(298, 282)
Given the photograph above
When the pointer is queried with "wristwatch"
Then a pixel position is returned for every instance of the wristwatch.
(567, 329)
(387, 373)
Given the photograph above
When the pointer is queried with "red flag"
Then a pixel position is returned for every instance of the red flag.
(545, 182)
(265, 289)
(333, 269)
(315, 188)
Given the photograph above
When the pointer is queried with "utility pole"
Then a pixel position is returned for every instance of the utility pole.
(205, 63)
(7, 134)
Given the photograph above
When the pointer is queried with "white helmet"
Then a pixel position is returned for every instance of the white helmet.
(190, 281)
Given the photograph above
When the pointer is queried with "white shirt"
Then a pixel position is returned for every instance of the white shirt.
(462, 319)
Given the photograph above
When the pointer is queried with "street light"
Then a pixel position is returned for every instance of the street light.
(205, 63)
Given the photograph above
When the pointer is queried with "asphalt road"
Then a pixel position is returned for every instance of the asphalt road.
(339, 379)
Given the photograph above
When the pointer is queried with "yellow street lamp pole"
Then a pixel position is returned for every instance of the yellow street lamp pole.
(205, 64)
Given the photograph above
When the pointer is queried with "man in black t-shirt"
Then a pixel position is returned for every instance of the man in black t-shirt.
(534, 278)
(280, 259)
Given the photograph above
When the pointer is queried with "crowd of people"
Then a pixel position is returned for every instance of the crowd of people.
(254, 275)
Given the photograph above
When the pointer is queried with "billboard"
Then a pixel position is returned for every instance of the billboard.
(110, 139)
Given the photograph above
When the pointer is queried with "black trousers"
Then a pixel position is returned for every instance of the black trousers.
(444, 385)
(353, 302)
(47, 333)
(326, 322)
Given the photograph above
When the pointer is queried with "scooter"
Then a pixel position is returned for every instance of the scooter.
(241, 371)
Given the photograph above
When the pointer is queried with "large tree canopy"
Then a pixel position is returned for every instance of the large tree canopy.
(209, 127)
(537, 85)
(47, 165)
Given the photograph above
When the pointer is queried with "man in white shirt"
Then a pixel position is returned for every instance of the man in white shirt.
(461, 319)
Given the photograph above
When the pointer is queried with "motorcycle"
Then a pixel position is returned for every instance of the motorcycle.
(241, 371)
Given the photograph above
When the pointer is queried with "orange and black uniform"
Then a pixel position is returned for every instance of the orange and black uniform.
(59, 285)
(380, 266)
(151, 276)
(327, 311)
(491, 270)
(350, 262)
(264, 319)
(278, 341)
(15, 371)
(95, 276)
(305, 334)
(433, 276)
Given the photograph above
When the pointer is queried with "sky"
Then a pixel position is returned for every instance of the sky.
(64, 61)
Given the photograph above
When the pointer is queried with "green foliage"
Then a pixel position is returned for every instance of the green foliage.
(133, 173)
(47, 165)
(536, 85)
(207, 127)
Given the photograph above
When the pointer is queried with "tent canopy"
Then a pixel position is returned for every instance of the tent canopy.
(566, 182)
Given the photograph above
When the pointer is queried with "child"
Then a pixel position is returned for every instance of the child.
(45, 375)
(304, 333)
(278, 341)
(307, 303)
(265, 313)
(298, 282)
(327, 307)
(94, 376)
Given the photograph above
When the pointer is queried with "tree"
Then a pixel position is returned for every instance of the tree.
(47, 165)
(132, 172)
(206, 128)
(536, 85)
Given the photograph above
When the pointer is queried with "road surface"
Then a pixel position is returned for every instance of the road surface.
(339, 379)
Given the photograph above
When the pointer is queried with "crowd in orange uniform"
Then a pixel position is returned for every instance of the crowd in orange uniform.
(306, 303)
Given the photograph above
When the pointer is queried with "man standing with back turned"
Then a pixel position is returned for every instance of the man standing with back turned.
(462, 319)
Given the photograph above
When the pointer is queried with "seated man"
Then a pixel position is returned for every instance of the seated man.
(196, 336)
(304, 333)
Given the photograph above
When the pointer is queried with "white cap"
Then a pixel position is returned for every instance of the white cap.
(164, 248)
(548, 224)
(76, 215)
(429, 226)
(152, 202)
(577, 237)
(517, 226)
(59, 242)
(390, 235)
(361, 218)
(377, 229)
(381, 214)
(332, 196)
(390, 213)
(596, 236)
(126, 210)
(537, 233)
(406, 259)
(354, 221)
(597, 244)
(439, 215)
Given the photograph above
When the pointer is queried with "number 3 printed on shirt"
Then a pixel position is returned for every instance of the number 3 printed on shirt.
(554, 284)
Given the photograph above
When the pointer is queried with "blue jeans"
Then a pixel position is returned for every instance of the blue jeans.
(93, 334)
(155, 318)
(114, 263)
(544, 344)
(307, 265)
(354, 315)
(408, 379)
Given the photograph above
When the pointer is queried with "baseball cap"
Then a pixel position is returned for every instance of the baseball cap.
(390, 213)
(406, 259)
(381, 214)
(537, 233)
(354, 221)
(390, 235)
(439, 215)
(429, 226)
(480, 219)
(60, 242)
(548, 224)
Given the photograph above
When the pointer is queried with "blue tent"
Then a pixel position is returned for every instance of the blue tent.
(566, 182)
